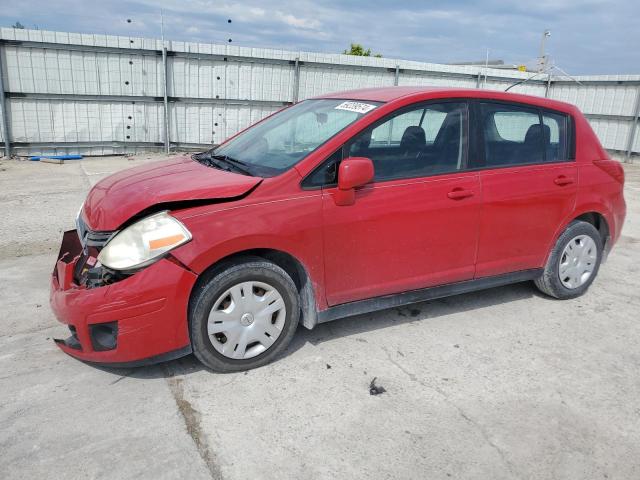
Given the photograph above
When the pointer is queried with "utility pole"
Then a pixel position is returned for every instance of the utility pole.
(4, 118)
(165, 81)
(486, 69)
(542, 63)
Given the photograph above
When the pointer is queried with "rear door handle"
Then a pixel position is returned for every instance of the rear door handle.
(563, 180)
(459, 194)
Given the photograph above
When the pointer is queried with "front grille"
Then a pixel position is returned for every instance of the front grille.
(86, 272)
(91, 238)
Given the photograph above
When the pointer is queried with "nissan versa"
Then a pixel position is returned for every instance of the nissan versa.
(335, 206)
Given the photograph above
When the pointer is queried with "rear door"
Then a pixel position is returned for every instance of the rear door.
(528, 181)
(416, 224)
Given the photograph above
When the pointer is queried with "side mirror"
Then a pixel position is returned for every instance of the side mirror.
(354, 172)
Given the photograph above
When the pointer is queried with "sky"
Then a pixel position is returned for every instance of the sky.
(587, 37)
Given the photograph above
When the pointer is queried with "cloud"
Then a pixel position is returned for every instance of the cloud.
(588, 36)
(299, 22)
(258, 12)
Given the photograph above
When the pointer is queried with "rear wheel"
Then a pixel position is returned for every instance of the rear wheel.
(573, 263)
(243, 315)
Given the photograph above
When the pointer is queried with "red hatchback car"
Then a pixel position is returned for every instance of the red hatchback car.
(336, 206)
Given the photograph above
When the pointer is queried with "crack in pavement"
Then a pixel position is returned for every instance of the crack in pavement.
(191, 418)
(29, 331)
(21, 196)
(86, 174)
(461, 412)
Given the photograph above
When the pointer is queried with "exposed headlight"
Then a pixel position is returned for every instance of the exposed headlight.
(144, 242)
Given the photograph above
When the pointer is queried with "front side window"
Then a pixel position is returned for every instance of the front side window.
(420, 141)
(276, 144)
(326, 173)
(520, 135)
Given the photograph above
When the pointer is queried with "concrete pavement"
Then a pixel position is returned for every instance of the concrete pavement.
(498, 384)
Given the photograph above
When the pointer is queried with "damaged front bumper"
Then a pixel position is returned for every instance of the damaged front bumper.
(138, 320)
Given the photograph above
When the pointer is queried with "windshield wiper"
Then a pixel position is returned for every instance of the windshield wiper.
(237, 164)
(222, 162)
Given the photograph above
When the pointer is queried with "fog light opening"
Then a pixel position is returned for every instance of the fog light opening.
(104, 336)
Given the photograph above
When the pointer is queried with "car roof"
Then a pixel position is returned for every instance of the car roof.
(389, 94)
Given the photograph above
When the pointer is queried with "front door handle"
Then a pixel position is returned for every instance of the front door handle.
(563, 180)
(459, 194)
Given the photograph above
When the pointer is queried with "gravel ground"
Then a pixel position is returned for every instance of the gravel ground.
(499, 384)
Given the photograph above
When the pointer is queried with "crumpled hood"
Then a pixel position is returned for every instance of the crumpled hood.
(115, 199)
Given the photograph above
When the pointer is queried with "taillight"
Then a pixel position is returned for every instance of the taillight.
(613, 168)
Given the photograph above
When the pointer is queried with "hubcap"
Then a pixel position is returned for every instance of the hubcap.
(577, 261)
(246, 320)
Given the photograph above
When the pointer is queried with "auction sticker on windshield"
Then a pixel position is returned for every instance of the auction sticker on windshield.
(356, 107)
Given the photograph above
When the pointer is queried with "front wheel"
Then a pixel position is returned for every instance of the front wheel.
(573, 263)
(243, 316)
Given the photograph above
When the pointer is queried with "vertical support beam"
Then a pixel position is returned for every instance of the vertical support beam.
(634, 128)
(396, 81)
(165, 81)
(6, 131)
(478, 79)
(295, 95)
(548, 87)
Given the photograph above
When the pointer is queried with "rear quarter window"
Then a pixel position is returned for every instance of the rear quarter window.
(558, 124)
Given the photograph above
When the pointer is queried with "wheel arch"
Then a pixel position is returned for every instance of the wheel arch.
(593, 215)
(599, 221)
(289, 263)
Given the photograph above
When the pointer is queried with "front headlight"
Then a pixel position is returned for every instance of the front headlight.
(144, 242)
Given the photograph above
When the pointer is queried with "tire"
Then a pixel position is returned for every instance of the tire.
(560, 280)
(251, 302)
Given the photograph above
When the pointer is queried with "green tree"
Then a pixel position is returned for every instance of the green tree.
(18, 25)
(358, 50)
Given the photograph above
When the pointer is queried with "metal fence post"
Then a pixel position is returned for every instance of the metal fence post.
(6, 131)
(165, 74)
(296, 81)
(634, 128)
(548, 87)
(396, 79)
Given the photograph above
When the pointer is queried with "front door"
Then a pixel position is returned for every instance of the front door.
(416, 224)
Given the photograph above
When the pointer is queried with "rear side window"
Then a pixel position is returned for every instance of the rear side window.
(511, 135)
(520, 135)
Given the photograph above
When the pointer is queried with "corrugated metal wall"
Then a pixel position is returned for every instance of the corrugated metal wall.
(98, 94)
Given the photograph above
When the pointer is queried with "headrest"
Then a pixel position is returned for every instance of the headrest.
(536, 133)
(413, 137)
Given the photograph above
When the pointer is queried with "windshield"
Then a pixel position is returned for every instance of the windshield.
(281, 141)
